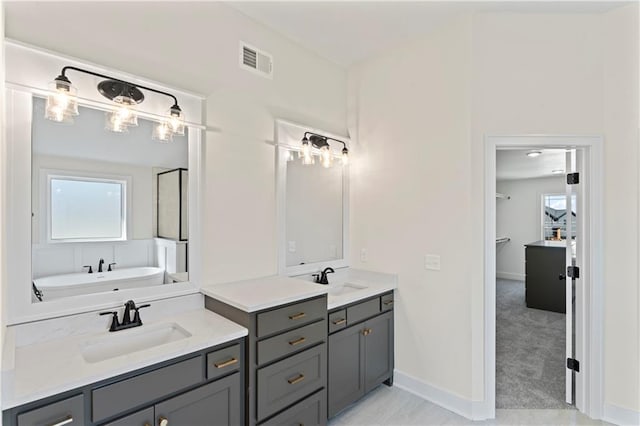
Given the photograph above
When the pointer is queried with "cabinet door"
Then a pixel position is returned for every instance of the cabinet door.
(217, 403)
(346, 368)
(378, 350)
(139, 418)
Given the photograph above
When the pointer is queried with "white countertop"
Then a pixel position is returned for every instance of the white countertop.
(56, 365)
(263, 293)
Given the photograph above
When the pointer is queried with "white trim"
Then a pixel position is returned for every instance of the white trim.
(620, 416)
(509, 276)
(473, 410)
(590, 327)
(282, 153)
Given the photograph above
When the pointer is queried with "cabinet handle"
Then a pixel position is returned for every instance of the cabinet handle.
(65, 421)
(297, 316)
(296, 379)
(163, 421)
(339, 321)
(297, 341)
(226, 363)
(366, 331)
(388, 302)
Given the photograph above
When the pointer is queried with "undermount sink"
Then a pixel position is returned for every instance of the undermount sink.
(136, 339)
(345, 288)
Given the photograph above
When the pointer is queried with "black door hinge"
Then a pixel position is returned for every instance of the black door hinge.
(573, 364)
(573, 178)
(573, 272)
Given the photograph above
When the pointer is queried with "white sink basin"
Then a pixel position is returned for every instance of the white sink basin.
(345, 288)
(132, 340)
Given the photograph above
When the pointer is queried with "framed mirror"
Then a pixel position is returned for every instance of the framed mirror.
(97, 217)
(313, 203)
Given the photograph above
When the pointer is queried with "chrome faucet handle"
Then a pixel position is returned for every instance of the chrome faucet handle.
(90, 269)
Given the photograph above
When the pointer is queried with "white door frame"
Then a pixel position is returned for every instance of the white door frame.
(589, 334)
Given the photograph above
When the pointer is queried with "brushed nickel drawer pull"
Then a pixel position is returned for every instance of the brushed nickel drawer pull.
(65, 421)
(388, 302)
(297, 316)
(339, 321)
(226, 363)
(297, 379)
(297, 341)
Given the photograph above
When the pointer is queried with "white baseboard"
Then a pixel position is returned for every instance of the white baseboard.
(509, 276)
(473, 410)
(621, 416)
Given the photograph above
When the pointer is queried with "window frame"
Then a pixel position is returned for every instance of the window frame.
(47, 175)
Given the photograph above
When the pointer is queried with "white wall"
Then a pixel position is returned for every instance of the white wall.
(519, 218)
(421, 113)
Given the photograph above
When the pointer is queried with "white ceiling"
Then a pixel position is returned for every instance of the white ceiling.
(347, 32)
(515, 164)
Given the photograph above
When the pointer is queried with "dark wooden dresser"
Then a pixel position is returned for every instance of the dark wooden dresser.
(544, 265)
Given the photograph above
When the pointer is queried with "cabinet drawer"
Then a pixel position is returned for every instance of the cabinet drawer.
(69, 411)
(309, 412)
(291, 341)
(337, 320)
(362, 311)
(291, 316)
(223, 361)
(126, 394)
(139, 418)
(386, 302)
(290, 380)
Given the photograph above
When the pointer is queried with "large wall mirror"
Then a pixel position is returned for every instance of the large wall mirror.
(97, 217)
(313, 204)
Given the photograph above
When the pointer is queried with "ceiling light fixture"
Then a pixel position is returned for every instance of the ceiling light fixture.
(321, 143)
(62, 104)
(533, 154)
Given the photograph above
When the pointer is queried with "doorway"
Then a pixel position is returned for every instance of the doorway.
(584, 387)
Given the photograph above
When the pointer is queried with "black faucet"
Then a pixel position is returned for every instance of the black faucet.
(127, 322)
(321, 278)
(100, 263)
(110, 265)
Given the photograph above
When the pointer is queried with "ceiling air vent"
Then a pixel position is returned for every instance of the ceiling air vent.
(255, 60)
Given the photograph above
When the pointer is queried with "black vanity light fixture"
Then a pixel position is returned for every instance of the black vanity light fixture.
(62, 104)
(321, 143)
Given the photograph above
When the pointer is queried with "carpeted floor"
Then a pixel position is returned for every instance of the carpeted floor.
(530, 352)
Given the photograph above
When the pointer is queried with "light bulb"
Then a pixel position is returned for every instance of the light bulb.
(176, 120)
(307, 158)
(326, 157)
(345, 156)
(124, 111)
(62, 101)
(162, 132)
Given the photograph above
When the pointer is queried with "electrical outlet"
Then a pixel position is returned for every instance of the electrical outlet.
(292, 246)
(364, 256)
(432, 262)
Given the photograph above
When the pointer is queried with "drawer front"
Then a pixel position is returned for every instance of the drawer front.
(290, 380)
(66, 412)
(363, 310)
(291, 316)
(291, 341)
(223, 361)
(139, 418)
(121, 396)
(386, 302)
(309, 412)
(337, 320)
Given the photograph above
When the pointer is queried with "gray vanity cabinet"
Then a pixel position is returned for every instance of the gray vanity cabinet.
(360, 355)
(204, 388)
(286, 367)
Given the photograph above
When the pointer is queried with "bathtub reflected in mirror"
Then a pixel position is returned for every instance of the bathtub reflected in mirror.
(100, 204)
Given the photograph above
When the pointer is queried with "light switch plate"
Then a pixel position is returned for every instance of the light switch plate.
(364, 256)
(432, 262)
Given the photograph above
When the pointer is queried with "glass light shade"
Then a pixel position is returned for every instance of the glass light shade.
(114, 123)
(345, 157)
(176, 121)
(326, 157)
(162, 132)
(307, 158)
(125, 111)
(62, 102)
